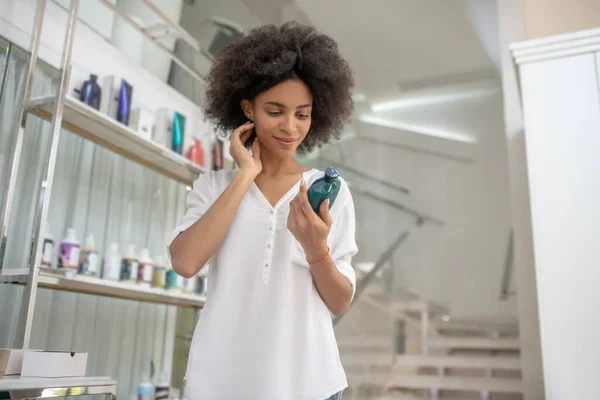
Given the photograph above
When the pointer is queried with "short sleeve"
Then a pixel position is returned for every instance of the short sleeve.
(198, 201)
(342, 239)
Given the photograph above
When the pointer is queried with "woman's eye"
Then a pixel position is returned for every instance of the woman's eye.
(274, 113)
(303, 116)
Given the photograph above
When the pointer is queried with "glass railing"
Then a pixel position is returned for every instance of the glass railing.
(373, 331)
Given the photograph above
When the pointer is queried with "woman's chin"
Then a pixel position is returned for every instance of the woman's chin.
(282, 151)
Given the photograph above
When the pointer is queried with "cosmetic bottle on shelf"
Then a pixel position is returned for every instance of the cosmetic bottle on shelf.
(47, 249)
(144, 276)
(129, 265)
(69, 251)
(159, 273)
(178, 133)
(124, 104)
(196, 153)
(91, 93)
(112, 263)
(89, 257)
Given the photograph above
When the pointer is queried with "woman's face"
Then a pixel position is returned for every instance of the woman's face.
(281, 116)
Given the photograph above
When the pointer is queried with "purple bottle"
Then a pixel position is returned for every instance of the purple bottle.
(68, 256)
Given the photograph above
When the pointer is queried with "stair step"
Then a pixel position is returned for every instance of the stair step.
(413, 397)
(410, 305)
(496, 385)
(457, 361)
(475, 327)
(367, 359)
(380, 342)
(449, 342)
(374, 378)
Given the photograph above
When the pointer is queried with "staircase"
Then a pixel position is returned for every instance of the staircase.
(440, 361)
(404, 347)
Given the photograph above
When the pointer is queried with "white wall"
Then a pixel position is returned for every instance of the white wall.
(196, 20)
(561, 102)
(93, 54)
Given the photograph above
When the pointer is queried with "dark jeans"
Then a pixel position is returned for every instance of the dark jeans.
(337, 396)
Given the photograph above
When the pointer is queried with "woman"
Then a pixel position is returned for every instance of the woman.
(278, 269)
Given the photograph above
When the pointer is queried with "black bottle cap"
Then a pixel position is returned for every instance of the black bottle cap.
(331, 174)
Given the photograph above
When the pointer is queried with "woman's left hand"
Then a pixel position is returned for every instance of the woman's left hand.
(307, 227)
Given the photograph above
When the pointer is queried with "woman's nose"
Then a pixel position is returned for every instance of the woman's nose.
(287, 125)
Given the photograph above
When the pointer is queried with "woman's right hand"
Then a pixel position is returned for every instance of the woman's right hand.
(250, 163)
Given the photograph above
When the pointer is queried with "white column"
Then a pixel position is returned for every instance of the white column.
(560, 87)
(511, 30)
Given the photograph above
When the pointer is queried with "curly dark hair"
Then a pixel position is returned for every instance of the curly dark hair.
(269, 55)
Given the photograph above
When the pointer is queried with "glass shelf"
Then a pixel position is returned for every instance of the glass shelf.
(97, 127)
(58, 280)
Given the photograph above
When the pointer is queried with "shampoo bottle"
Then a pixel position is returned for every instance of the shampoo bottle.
(145, 388)
(178, 132)
(112, 263)
(324, 188)
(129, 265)
(69, 251)
(89, 257)
(47, 249)
(91, 93)
(172, 280)
(124, 105)
(196, 153)
(158, 277)
(144, 276)
(161, 391)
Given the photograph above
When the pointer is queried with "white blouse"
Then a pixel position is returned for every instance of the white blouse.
(265, 333)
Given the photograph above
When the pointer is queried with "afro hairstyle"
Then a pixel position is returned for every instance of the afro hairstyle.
(269, 55)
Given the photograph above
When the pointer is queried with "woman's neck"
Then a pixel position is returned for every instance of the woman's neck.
(273, 166)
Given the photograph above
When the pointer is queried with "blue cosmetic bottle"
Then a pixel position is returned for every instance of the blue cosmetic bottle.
(91, 93)
(324, 188)
(178, 132)
(124, 106)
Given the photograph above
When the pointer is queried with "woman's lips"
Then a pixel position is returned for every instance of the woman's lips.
(286, 142)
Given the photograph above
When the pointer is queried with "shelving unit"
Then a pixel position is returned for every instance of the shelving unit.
(59, 280)
(91, 124)
(21, 388)
(69, 113)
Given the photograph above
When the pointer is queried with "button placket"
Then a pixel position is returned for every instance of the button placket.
(266, 269)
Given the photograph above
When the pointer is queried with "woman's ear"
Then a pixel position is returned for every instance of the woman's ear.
(247, 109)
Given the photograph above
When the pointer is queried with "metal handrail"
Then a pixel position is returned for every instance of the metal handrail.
(505, 291)
(385, 183)
(420, 217)
(366, 280)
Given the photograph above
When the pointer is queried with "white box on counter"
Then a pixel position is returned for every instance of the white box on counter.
(53, 364)
(11, 361)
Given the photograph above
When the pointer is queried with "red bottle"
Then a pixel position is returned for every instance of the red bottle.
(196, 153)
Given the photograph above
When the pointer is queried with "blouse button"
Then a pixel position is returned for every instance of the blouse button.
(272, 212)
(270, 229)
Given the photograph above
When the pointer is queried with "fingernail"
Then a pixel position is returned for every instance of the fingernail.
(327, 202)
